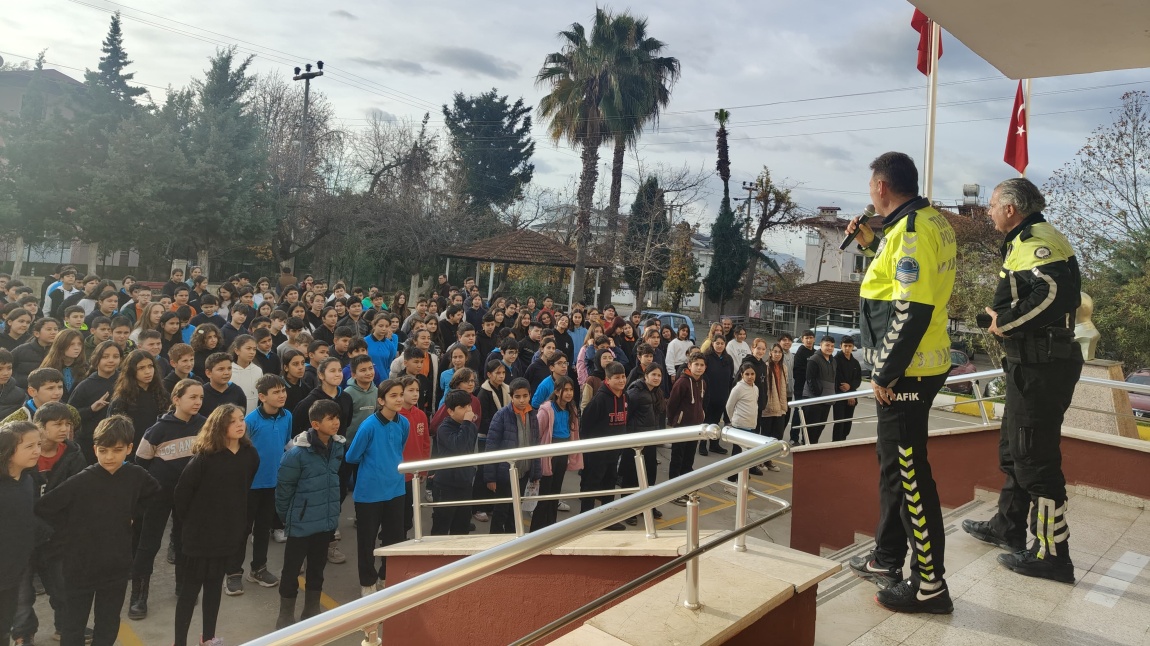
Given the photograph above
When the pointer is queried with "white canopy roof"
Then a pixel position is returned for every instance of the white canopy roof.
(1037, 38)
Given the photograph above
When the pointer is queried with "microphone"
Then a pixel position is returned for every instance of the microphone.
(867, 214)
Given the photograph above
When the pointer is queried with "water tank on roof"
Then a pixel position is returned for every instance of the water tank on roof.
(970, 194)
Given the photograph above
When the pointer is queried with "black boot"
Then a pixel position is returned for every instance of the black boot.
(717, 448)
(1027, 563)
(287, 612)
(703, 448)
(138, 608)
(311, 605)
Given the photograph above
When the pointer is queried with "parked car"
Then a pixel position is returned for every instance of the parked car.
(960, 364)
(671, 318)
(1140, 402)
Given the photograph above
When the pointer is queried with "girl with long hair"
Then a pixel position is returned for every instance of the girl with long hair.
(720, 367)
(326, 331)
(66, 354)
(19, 454)
(205, 342)
(171, 332)
(245, 371)
(563, 341)
(211, 504)
(92, 395)
(16, 326)
(164, 451)
(399, 306)
(456, 361)
(227, 294)
(314, 315)
(139, 394)
(646, 411)
(774, 412)
(149, 320)
(558, 422)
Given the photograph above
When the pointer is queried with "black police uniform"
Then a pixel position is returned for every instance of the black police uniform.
(904, 336)
(1038, 291)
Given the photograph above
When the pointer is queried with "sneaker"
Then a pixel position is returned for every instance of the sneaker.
(681, 501)
(632, 521)
(755, 471)
(718, 450)
(334, 555)
(171, 554)
(980, 529)
(234, 584)
(214, 641)
(907, 597)
(771, 466)
(563, 506)
(365, 590)
(279, 536)
(481, 516)
(617, 527)
(656, 513)
(1027, 563)
(263, 577)
(865, 567)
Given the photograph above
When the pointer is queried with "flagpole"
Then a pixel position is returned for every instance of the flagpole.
(1026, 93)
(931, 108)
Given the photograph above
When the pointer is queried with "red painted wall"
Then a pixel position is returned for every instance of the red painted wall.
(835, 491)
(503, 607)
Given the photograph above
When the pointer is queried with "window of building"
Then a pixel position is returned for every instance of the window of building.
(813, 238)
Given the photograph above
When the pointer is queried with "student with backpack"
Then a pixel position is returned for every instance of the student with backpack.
(210, 502)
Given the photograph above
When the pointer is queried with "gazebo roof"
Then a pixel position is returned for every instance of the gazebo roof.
(825, 293)
(523, 247)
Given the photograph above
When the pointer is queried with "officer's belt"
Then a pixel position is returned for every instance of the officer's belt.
(1044, 345)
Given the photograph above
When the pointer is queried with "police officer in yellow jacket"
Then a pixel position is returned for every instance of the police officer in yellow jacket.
(904, 297)
(1039, 289)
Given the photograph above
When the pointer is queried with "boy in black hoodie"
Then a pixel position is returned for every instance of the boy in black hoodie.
(60, 459)
(91, 514)
(605, 415)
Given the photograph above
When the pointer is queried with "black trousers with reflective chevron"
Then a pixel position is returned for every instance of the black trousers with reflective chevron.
(1030, 454)
(910, 517)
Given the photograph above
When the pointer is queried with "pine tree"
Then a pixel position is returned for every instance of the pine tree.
(109, 84)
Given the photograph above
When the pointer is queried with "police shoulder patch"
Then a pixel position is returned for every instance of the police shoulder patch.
(1042, 252)
(906, 270)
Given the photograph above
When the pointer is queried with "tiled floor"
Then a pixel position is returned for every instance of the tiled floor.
(1109, 605)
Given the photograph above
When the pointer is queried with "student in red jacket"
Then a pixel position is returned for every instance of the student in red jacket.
(418, 444)
(685, 408)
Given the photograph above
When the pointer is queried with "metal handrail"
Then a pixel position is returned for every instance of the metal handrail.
(372, 609)
(612, 442)
(867, 392)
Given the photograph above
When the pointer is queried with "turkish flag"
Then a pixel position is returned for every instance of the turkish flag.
(1016, 153)
(920, 23)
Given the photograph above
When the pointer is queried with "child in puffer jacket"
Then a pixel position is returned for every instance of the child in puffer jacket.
(307, 501)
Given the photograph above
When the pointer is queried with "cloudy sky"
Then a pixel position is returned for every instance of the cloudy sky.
(816, 90)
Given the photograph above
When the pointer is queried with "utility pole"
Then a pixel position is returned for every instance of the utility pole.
(305, 75)
(749, 187)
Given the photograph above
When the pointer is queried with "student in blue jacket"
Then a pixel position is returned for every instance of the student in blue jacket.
(269, 429)
(382, 346)
(515, 425)
(378, 449)
(307, 501)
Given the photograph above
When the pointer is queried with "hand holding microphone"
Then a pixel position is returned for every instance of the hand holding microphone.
(858, 228)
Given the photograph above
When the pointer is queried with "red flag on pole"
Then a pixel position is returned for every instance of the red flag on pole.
(1016, 149)
(920, 23)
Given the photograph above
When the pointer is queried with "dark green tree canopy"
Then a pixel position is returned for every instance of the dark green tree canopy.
(730, 256)
(647, 252)
(492, 139)
(110, 83)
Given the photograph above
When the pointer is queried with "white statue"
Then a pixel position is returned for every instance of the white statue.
(1085, 333)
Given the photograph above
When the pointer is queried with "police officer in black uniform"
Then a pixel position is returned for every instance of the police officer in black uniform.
(1039, 289)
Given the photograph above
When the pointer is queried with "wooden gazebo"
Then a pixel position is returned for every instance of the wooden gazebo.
(523, 247)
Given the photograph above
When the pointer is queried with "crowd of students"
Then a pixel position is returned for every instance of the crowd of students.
(254, 412)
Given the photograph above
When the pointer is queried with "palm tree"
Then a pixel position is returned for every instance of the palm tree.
(642, 89)
(611, 78)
